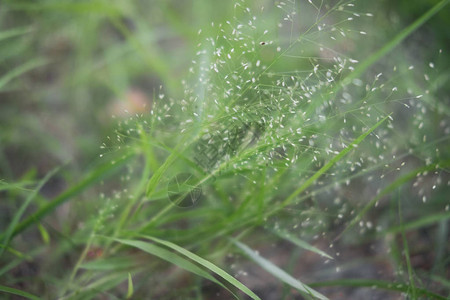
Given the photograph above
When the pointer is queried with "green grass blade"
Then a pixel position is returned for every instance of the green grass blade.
(328, 165)
(130, 287)
(300, 243)
(425, 221)
(230, 279)
(169, 257)
(17, 292)
(15, 252)
(44, 234)
(23, 207)
(94, 176)
(109, 264)
(379, 284)
(412, 285)
(6, 34)
(279, 273)
(28, 66)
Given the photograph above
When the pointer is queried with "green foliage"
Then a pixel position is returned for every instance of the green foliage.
(301, 129)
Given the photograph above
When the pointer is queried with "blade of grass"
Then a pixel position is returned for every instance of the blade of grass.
(130, 287)
(109, 264)
(94, 176)
(15, 252)
(28, 66)
(328, 165)
(230, 279)
(300, 243)
(279, 273)
(44, 234)
(169, 257)
(23, 207)
(412, 286)
(17, 292)
(100, 286)
(6, 34)
(425, 221)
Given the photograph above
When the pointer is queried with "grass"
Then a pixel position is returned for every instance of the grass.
(317, 167)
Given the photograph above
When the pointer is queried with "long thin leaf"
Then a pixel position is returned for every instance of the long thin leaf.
(6, 34)
(300, 243)
(425, 221)
(170, 257)
(279, 273)
(23, 207)
(13, 291)
(332, 162)
(130, 287)
(207, 265)
(109, 264)
(96, 175)
(28, 66)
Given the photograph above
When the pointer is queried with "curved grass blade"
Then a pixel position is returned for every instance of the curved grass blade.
(28, 66)
(328, 165)
(300, 243)
(230, 279)
(170, 257)
(379, 284)
(17, 292)
(279, 273)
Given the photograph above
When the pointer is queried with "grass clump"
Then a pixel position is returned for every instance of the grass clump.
(287, 144)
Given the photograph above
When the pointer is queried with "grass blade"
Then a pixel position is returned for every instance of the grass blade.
(96, 175)
(6, 34)
(13, 291)
(328, 165)
(169, 257)
(130, 287)
(425, 221)
(28, 66)
(300, 243)
(12, 226)
(279, 273)
(207, 265)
